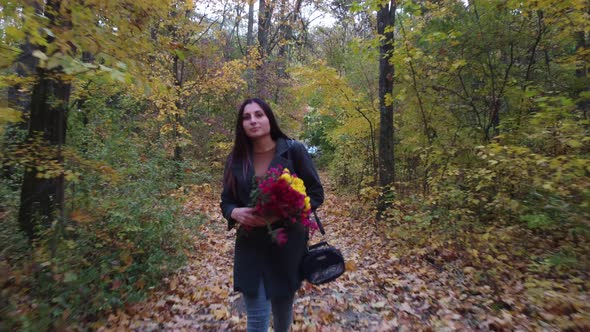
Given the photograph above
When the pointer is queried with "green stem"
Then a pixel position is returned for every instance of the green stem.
(268, 226)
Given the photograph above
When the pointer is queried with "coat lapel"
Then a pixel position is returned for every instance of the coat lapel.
(280, 158)
(243, 182)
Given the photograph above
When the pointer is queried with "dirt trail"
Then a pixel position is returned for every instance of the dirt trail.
(379, 291)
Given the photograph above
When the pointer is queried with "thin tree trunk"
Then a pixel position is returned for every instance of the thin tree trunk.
(582, 74)
(264, 20)
(250, 35)
(284, 38)
(385, 19)
(262, 72)
(178, 81)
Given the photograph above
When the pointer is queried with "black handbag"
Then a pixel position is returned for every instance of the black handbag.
(322, 262)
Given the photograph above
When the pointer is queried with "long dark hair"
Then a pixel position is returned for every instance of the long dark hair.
(243, 144)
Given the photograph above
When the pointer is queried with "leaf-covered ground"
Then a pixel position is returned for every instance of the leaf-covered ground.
(382, 290)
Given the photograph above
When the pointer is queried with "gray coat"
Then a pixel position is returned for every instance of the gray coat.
(256, 256)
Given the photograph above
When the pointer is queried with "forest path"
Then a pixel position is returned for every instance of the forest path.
(378, 292)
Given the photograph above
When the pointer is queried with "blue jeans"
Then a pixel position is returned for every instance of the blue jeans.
(258, 310)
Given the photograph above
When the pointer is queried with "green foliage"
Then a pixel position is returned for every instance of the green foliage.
(491, 138)
(123, 227)
(468, 77)
(563, 259)
(492, 152)
(100, 260)
(537, 221)
(342, 121)
(317, 127)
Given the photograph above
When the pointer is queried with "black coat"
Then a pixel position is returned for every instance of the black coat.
(256, 256)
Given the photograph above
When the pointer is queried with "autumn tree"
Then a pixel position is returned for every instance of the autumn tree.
(57, 39)
(114, 227)
(385, 31)
(281, 27)
(178, 33)
(43, 194)
(342, 120)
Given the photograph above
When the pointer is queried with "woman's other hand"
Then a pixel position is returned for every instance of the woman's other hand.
(247, 217)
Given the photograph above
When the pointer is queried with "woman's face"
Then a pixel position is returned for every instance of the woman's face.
(255, 122)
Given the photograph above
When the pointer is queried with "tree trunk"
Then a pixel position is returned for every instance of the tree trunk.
(582, 75)
(250, 36)
(42, 197)
(178, 69)
(25, 67)
(385, 20)
(262, 72)
(288, 18)
(264, 20)
(284, 37)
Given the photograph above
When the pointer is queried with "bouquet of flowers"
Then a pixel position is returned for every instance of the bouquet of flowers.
(282, 195)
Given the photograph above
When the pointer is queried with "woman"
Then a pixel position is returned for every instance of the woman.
(267, 274)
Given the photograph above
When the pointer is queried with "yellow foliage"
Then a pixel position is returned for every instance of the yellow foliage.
(338, 99)
(9, 115)
(322, 81)
(36, 155)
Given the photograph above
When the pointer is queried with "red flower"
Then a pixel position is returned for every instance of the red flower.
(279, 235)
(281, 194)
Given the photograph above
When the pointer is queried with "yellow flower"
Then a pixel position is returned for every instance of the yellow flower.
(286, 176)
(298, 185)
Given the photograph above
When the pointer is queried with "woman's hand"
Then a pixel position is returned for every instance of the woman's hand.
(247, 217)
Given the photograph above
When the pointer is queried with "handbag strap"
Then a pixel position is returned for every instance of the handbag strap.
(318, 245)
(320, 226)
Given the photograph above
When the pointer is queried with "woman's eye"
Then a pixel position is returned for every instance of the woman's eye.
(259, 115)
